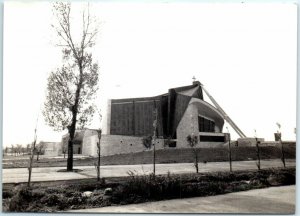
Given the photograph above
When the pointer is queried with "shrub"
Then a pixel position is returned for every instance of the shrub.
(95, 200)
(147, 142)
(7, 194)
(19, 202)
(50, 200)
(136, 189)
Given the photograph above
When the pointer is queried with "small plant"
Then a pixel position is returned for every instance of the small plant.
(32, 154)
(193, 141)
(280, 141)
(257, 151)
(228, 138)
(147, 141)
(97, 165)
(139, 188)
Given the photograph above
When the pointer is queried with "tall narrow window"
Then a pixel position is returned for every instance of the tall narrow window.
(206, 125)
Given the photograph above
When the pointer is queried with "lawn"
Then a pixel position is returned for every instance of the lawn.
(180, 155)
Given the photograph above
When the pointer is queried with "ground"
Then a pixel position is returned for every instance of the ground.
(46, 171)
(174, 155)
(56, 196)
(50, 173)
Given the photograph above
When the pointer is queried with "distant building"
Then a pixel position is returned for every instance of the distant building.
(50, 148)
(82, 143)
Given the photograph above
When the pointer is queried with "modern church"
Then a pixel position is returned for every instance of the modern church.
(171, 117)
(179, 113)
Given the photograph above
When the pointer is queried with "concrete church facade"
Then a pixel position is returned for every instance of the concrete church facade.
(178, 113)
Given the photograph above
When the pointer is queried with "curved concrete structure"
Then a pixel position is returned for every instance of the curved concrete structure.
(208, 111)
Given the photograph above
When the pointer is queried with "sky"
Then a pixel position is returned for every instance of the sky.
(244, 54)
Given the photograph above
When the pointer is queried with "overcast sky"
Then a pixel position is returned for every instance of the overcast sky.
(244, 54)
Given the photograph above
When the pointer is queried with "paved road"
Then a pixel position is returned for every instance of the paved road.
(50, 173)
(275, 200)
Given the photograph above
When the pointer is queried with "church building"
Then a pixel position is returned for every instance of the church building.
(178, 113)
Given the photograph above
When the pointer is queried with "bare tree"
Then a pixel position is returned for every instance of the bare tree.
(99, 133)
(13, 151)
(64, 148)
(32, 155)
(280, 141)
(154, 137)
(23, 150)
(193, 141)
(257, 151)
(228, 138)
(28, 148)
(19, 148)
(71, 87)
(6, 150)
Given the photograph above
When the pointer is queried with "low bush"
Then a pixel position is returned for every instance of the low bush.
(7, 194)
(19, 202)
(136, 189)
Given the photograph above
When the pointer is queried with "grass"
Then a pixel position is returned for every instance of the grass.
(183, 155)
(64, 195)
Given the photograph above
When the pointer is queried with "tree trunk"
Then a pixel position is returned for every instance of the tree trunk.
(70, 155)
(197, 163)
(229, 155)
(258, 154)
(72, 128)
(98, 165)
(37, 156)
(282, 153)
(71, 136)
(196, 160)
